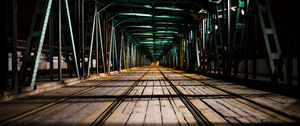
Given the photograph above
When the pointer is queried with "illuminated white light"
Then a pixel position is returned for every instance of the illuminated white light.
(147, 6)
(216, 27)
(141, 26)
(136, 14)
(233, 8)
(203, 11)
(242, 12)
(169, 8)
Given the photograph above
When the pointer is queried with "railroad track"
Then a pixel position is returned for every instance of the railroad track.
(200, 118)
(241, 97)
(12, 119)
(194, 111)
(119, 99)
(106, 114)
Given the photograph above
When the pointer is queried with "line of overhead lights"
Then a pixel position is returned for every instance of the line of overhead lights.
(164, 8)
(155, 42)
(149, 15)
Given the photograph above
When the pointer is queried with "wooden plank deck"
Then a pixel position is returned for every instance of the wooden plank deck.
(153, 102)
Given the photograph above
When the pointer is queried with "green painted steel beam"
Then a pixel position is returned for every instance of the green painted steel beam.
(72, 38)
(40, 44)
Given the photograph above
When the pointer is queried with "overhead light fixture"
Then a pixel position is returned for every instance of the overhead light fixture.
(136, 14)
(165, 41)
(142, 34)
(146, 42)
(164, 23)
(167, 32)
(215, 1)
(166, 16)
(233, 8)
(203, 11)
(155, 42)
(147, 6)
(169, 8)
(140, 26)
(149, 39)
(242, 12)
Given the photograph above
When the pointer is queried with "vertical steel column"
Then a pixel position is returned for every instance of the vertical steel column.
(59, 41)
(121, 51)
(110, 46)
(197, 51)
(4, 54)
(91, 46)
(246, 41)
(127, 54)
(72, 39)
(101, 44)
(177, 59)
(181, 54)
(224, 50)
(192, 48)
(209, 44)
(203, 44)
(174, 57)
(50, 57)
(40, 45)
(229, 47)
(254, 48)
(137, 63)
(130, 59)
(97, 45)
(14, 48)
(115, 52)
(78, 33)
(133, 56)
(124, 54)
(82, 39)
(187, 53)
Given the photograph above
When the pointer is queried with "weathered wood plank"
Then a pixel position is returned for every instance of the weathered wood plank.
(221, 109)
(153, 115)
(211, 115)
(138, 114)
(168, 114)
(273, 117)
(118, 117)
(185, 112)
(148, 89)
(181, 119)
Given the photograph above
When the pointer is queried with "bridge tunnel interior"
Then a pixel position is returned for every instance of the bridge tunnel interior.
(253, 43)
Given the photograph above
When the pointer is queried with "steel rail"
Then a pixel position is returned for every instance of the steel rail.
(200, 118)
(297, 119)
(42, 107)
(106, 114)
